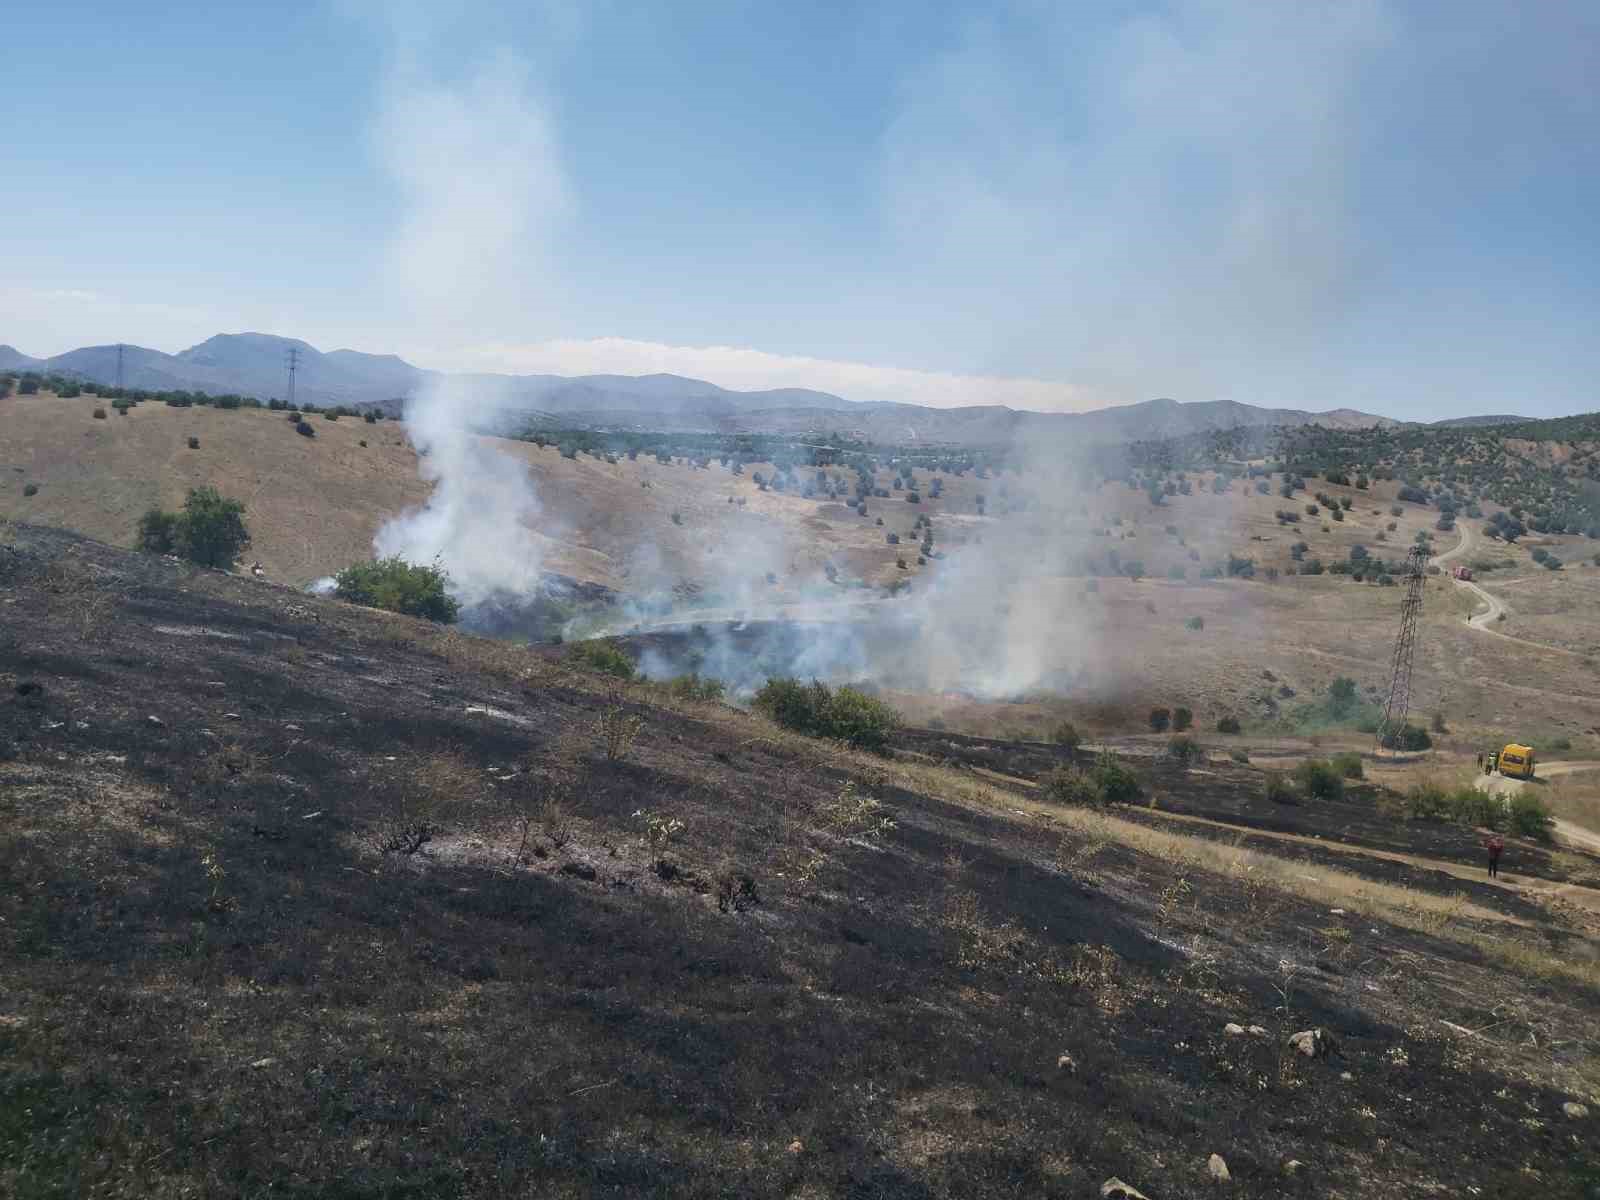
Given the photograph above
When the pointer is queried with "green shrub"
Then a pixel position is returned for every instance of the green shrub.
(1279, 790)
(399, 586)
(1318, 779)
(1066, 734)
(30, 489)
(1195, 623)
(158, 532)
(1529, 817)
(1182, 718)
(1228, 724)
(1184, 749)
(1559, 743)
(1466, 805)
(1239, 756)
(696, 687)
(1410, 737)
(1348, 764)
(817, 710)
(194, 443)
(1072, 788)
(1427, 802)
(603, 655)
(1116, 782)
(99, 414)
(211, 530)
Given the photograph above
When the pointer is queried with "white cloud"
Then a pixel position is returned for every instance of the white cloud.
(747, 369)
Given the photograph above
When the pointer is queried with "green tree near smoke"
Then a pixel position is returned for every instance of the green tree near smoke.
(396, 585)
(210, 530)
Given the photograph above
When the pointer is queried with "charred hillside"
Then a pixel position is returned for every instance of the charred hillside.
(309, 900)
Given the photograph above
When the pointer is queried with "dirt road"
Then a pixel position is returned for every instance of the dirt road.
(1484, 622)
(1565, 831)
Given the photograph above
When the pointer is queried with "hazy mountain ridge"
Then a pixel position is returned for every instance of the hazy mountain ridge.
(256, 364)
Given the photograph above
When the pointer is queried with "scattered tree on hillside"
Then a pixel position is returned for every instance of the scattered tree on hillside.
(210, 530)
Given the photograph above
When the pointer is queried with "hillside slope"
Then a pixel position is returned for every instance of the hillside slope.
(706, 966)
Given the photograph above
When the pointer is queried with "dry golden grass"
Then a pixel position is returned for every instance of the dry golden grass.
(1262, 880)
(315, 504)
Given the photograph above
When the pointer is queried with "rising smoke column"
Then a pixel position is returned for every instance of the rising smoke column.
(481, 188)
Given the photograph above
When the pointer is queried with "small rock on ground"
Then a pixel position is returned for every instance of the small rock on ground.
(1067, 1064)
(1233, 1030)
(155, 722)
(1575, 1110)
(1217, 1168)
(1115, 1189)
(1313, 1043)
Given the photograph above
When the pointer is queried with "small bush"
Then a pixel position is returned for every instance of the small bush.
(1160, 718)
(1348, 764)
(99, 414)
(617, 728)
(1279, 790)
(1239, 756)
(694, 686)
(1529, 817)
(1319, 779)
(1072, 788)
(194, 443)
(1411, 737)
(398, 586)
(603, 655)
(1195, 623)
(1066, 734)
(31, 489)
(1117, 783)
(1182, 718)
(1228, 724)
(817, 710)
(1184, 750)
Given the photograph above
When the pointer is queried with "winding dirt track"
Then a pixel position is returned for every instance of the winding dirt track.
(1484, 622)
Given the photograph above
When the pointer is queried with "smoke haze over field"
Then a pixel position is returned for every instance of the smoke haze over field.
(481, 189)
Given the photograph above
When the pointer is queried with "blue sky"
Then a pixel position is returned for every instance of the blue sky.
(1377, 205)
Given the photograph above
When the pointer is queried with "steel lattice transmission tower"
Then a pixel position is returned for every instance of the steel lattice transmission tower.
(1405, 645)
(120, 349)
(294, 362)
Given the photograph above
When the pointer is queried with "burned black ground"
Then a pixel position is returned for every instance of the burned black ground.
(214, 983)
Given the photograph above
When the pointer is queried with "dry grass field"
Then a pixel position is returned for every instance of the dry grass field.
(314, 505)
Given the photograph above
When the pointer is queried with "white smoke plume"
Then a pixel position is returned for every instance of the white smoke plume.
(482, 190)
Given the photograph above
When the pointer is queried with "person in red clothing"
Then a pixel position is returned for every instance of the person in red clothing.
(1496, 846)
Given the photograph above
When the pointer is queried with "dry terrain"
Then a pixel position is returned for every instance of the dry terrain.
(721, 960)
(314, 505)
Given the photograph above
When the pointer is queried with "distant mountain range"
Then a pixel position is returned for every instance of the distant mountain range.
(256, 364)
